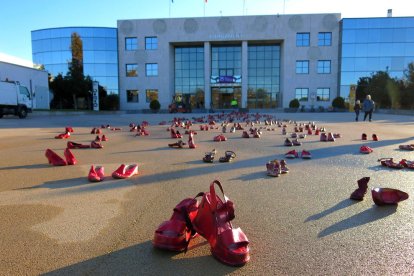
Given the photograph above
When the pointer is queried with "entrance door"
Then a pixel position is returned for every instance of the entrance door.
(222, 97)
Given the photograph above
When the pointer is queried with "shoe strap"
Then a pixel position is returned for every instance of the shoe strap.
(228, 205)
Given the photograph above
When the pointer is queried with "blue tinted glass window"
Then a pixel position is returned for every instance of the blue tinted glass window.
(132, 70)
(324, 66)
(132, 96)
(302, 39)
(151, 43)
(302, 94)
(131, 43)
(324, 39)
(151, 69)
(302, 67)
(323, 94)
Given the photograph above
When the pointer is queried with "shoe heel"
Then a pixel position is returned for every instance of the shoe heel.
(54, 159)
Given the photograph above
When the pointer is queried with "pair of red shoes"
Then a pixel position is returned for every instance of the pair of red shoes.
(211, 218)
(175, 134)
(389, 162)
(96, 174)
(380, 196)
(99, 139)
(365, 137)
(294, 154)
(56, 160)
(276, 168)
(96, 130)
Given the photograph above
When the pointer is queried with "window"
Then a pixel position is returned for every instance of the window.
(151, 43)
(302, 94)
(132, 96)
(131, 43)
(151, 94)
(151, 69)
(302, 67)
(324, 66)
(302, 39)
(132, 70)
(324, 39)
(323, 94)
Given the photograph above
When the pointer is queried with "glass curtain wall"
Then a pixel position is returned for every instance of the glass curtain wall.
(226, 76)
(370, 45)
(264, 76)
(189, 75)
(52, 49)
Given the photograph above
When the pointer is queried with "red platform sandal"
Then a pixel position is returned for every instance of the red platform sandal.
(175, 234)
(229, 245)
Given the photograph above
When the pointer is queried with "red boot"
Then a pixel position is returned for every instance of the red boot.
(191, 143)
(359, 193)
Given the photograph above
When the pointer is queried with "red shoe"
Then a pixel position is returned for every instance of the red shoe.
(407, 164)
(68, 129)
(96, 145)
(104, 138)
(374, 137)
(191, 143)
(180, 144)
(229, 245)
(54, 159)
(306, 154)
(283, 166)
(295, 142)
(96, 174)
(70, 158)
(359, 193)
(330, 137)
(364, 136)
(273, 168)
(98, 139)
(389, 162)
(292, 154)
(365, 149)
(406, 147)
(65, 135)
(317, 132)
(93, 131)
(73, 145)
(125, 171)
(323, 137)
(245, 134)
(220, 138)
(388, 196)
(309, 131)
(175, 234)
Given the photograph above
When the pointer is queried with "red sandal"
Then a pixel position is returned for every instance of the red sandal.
(175, 234)
(229, 245)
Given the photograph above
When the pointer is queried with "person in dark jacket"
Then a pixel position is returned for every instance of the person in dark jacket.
(368, 107)
(357, 108)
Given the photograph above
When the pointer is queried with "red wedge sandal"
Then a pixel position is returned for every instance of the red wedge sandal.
(229, 245)
(175, 234)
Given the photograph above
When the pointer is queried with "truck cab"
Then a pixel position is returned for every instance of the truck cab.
(15, 99)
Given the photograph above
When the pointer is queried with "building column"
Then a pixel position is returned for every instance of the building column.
(245, 75)
(207, 72)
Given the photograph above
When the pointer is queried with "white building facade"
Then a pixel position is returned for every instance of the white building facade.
(255, 62)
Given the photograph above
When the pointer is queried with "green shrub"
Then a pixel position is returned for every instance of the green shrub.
(155, 105)
(338, 102)
(110, 102)
(294, 103)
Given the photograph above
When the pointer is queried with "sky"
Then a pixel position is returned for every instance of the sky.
(19, 17)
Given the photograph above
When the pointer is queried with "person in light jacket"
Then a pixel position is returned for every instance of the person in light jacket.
(368, 107)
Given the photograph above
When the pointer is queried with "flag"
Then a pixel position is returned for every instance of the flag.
(205, 1)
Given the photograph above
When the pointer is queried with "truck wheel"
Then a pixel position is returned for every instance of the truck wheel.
(22, 113)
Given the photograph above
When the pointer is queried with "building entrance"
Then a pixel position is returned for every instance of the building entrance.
(225, 97)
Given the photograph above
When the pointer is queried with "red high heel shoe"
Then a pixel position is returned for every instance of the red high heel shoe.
(96, 174)
(388, 196)
(70, 158)
(125, 171)
(175, 234)
(96, 145)
(191, 143)
(68, 129)
(229, 245)
(54, 159)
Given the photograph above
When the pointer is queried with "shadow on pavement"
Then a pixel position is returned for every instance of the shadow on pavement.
(340, 205)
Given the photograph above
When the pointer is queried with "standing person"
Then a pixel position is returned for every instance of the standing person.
(357, 108)
(368, 107)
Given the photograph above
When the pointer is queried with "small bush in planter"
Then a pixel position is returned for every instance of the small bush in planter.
(338, 102)
(155, 105)
(294, 103)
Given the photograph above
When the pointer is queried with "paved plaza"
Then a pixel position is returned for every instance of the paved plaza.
(53, 221)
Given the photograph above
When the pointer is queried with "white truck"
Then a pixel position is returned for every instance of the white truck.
(14, 99)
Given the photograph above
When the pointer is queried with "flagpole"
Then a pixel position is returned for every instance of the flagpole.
(244, 7)
(169, 8)
(204, 8)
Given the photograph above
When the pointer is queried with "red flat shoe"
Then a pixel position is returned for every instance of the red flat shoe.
(54, 159)
(229, 245)
(228, 156)
(70, 158)
(125, 171)
(175, 234)
(73, 145)
(365, 149)
(364, 136)
(375, 137)
(406, 147)
(292, 154)
(389, 162)
(306, 154)
(96, 174)
(359, 193)
(407, 164)
(387, 196)
(180, 144)
(96, 145)
(65, 135)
